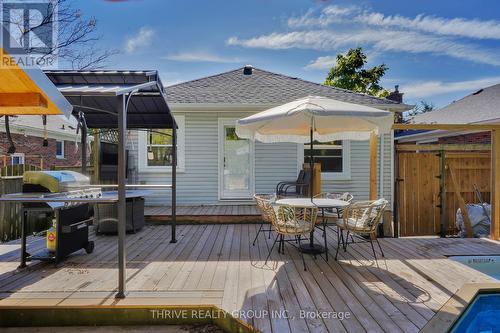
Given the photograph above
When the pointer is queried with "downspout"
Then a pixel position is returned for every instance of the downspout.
(392, 167)
(381, 177)
(174, 181)
(381, 170)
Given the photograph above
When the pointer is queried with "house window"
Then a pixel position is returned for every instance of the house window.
(159, 148)
(60, 149)
(155, 148)
(16, 159)
(333, 157)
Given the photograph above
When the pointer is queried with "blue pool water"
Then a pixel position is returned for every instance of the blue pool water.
(489, 265)
(482, 316)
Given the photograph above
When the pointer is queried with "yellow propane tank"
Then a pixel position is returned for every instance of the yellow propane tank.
(52, 237)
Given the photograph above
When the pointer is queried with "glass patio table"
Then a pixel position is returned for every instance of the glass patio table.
(322, 204)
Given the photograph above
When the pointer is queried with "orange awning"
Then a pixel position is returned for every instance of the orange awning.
(27, 90)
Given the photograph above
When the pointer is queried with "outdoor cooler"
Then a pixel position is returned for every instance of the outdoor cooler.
(72, 219)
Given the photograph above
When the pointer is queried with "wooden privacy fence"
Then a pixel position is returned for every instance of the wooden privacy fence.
(11, 181)
(426, 198)
(10, 214)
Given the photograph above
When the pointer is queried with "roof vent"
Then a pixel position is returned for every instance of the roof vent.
(247, 70)
(478, 92)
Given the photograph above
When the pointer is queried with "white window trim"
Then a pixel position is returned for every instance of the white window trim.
(346, 163)
(61, 156)
(181, 144)
(20, 155)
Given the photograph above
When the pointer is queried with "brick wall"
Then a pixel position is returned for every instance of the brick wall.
(30, 146)
(472, 138)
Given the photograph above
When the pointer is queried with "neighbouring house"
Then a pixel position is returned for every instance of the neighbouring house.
(206, 110)
(480, 107)
(27, 136)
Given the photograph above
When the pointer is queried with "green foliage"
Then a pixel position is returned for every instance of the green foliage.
(349, 73)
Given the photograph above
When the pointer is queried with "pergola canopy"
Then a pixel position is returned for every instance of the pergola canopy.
(121, 100)
(95, 94)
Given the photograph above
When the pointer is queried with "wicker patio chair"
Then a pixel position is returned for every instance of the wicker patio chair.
(345, 196)
(264, 205)
(361, 219)
(332, 214)
(292, 221)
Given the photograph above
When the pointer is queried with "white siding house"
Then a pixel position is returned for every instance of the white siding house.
(206, 111)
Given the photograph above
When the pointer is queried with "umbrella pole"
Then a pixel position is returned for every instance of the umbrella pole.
(311, 247)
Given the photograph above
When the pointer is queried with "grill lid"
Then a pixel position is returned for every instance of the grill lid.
(56, 181)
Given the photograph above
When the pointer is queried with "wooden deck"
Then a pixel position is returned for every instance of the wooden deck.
(217, 264)
(205, 213)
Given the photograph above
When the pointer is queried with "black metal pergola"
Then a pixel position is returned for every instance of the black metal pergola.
(119, 100)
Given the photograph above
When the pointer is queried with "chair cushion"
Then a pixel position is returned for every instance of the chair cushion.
(290, 225)
(296, 227)
(378, 204)
(352, 223)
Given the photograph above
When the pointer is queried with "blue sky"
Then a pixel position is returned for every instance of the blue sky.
(437, 51)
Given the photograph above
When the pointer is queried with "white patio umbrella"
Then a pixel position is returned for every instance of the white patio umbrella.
(315, 118)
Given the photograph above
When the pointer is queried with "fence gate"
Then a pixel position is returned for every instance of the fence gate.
(418, 194)
(426, 201)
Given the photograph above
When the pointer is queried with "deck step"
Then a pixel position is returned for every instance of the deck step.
(223, 214)
(165, 297)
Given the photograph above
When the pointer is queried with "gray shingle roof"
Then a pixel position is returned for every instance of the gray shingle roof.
(261, 87)
(480, 106)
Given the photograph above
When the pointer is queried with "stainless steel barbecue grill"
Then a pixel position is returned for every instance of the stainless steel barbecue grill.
(67, 195)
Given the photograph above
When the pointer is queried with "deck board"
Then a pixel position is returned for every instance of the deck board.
(217, 264)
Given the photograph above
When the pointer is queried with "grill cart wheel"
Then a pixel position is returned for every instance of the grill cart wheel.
(90, 247)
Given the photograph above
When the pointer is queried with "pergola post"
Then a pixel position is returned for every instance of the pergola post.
(174, 181)
(495, 184)
(122, 211)
(373, 166)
